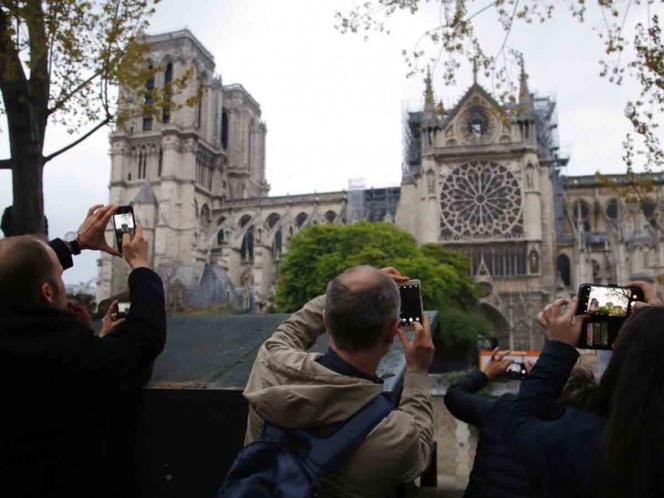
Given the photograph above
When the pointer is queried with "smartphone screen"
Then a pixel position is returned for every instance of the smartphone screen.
(123, 220)
(606, 308)
(608, 301)
(411, 303)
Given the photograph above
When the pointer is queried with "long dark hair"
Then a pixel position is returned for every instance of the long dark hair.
(631, 399)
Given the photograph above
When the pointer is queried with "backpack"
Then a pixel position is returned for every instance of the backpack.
(289, 463)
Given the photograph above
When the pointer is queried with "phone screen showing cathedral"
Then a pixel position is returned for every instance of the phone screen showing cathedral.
(608, 301)
(124, 222)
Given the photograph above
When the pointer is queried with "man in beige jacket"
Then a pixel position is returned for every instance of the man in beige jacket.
(295, 389)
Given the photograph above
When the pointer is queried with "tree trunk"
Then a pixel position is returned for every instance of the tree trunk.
(27, 214)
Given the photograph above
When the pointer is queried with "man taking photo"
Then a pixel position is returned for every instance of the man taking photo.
(54, 371)
(294, 389)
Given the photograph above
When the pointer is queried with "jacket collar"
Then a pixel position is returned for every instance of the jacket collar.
(337, 364)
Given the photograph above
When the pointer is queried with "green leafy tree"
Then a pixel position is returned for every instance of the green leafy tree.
(460, 328)
(61, 61)
(320, 252)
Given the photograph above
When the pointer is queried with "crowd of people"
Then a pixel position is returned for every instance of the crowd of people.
(70, 394)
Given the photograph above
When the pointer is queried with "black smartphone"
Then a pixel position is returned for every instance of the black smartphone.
(516, 371)
(606, 308)
(411, 302)
(122, 310)
(124, 222)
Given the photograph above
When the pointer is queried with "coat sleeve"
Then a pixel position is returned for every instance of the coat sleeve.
(301, 330)
(132, 345)
(464, 404)
(62, 252)
(526, 429)
(416, 403)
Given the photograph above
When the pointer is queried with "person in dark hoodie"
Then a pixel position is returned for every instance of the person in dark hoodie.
(496, 472)
(614, 450)
(54, 372)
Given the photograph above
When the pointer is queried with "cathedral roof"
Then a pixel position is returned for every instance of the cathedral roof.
(145, 195)
(475, 88)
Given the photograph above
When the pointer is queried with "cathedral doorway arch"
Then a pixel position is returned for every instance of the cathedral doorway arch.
(500, 326)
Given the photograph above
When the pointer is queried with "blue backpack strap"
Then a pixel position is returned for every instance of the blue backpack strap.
(326, 452)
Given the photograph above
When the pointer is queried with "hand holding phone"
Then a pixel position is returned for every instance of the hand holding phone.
(124, 222)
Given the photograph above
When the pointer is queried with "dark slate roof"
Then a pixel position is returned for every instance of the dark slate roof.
(217, 352)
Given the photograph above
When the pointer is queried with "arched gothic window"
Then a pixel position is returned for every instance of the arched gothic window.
(244, 220)
(330, 216)
(168, 78)
(648, 207)
(563, 269)
(613, 210)
(149, 87)
(142, 163)
(247, 248)
(220, 237)
(161, 161)
(277, 244)
(300, 219)
(272, 220)
(224, 128)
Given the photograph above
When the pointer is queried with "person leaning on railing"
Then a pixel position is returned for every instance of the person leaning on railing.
(54, 372)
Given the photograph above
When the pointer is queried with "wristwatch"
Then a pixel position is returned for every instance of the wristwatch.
(71, 239)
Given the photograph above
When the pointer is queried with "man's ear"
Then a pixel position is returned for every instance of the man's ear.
(392, 331)
(47, 293)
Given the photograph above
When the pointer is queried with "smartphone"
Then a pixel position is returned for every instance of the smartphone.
(124, 222)
(411, 302)
(122, 311)
(516, 371)
(606, 308)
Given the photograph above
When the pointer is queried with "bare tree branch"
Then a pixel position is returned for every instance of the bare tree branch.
(78, 140)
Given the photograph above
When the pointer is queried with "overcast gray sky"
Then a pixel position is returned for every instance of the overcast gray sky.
(333, 102)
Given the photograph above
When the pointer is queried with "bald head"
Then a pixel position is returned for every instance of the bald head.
(26, 263)
(361, 304)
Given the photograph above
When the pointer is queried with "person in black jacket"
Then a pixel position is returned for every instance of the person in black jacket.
(496, 472)
(615, 450)
(54, 372)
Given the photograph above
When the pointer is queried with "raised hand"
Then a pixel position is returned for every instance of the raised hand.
(419, 352)
(135, 250)
(108, 323)
(558, 326)
(497, 366)
(395, 275)
(91, 232)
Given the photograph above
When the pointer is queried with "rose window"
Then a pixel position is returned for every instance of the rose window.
(480, 199)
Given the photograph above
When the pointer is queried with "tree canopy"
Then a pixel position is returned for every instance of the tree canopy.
(630, 33)
(320, 252)
(62, 61)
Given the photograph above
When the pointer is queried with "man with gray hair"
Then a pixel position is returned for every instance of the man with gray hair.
(294, 389)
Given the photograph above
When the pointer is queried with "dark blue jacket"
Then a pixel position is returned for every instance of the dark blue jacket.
(565, 453)
(496, 473)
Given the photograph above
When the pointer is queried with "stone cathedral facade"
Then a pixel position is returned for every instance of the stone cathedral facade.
(480, 178)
